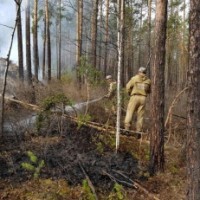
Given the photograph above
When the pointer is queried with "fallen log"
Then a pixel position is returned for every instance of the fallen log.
(106, 128)
(98, 126)
(26, 105)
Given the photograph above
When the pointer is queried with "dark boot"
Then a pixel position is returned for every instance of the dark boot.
(138, 135)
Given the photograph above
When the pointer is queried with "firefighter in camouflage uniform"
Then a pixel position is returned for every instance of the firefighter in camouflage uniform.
(111, 95)
(138, 88)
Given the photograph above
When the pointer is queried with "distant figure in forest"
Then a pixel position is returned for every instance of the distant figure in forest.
(111, 87)
(111, 94)
(138, 88)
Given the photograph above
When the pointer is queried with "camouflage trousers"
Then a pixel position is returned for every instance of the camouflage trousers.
(110, 106)
(136, 105)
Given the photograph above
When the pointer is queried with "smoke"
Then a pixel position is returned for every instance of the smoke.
(7, 22)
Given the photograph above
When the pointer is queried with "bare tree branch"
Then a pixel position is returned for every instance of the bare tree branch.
(6, 26)
(6, 72)
(88, 179)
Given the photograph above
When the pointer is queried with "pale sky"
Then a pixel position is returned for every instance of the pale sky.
(7, 18)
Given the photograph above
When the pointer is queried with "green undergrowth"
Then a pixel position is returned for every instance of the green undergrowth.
(118, 193)
(57, 101)
(48, 189)
(33, 164)
(43, 189)
(83, 119)
(52, 101)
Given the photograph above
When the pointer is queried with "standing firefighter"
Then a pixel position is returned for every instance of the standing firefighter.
(138, 88)
(112, 87)
(111, 95)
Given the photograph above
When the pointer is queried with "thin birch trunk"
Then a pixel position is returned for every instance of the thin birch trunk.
(120, 25)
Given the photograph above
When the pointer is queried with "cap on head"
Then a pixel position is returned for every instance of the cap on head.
(108, 77)
(142, 70)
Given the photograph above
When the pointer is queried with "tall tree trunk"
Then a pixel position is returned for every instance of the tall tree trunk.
(79, 25)
(149, 37)
(6, 73)
(140, 35)
(48, 42)
(28, 43)
(20, 42)
(106, 37)
(129, 56)
(35, 39)
(94, 33)
(120, 27)
(184, 53)
(59, 42)
(100, 34)
(44, 44)
(158, 86)
(193, 114)
(123, 83)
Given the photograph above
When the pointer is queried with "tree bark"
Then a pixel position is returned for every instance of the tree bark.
(20, 42)
(106, 37)
(79, 31)
(6, 73)
(28, 43)
(140, 36)
(158, 84)
(120, 27)
(130, 53)
(44, 44)
(59, 42)
(193, 108)
(149, 37)
(100, 35)
(35, 39)
(48, 41)
(94, 33)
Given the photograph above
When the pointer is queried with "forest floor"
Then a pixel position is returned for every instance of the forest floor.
(62, 159)
(80, 162)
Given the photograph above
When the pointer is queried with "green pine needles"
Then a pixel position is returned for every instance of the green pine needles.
(34, 165)
(88, 195)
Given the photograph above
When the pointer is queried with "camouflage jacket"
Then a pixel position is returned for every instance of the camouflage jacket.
(112, 89)
(139, 84)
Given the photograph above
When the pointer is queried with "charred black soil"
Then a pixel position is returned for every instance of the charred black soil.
(77, 153)
(67, 156)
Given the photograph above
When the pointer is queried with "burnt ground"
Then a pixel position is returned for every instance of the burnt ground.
(68, 150)
(65, 156)
(73, 154)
